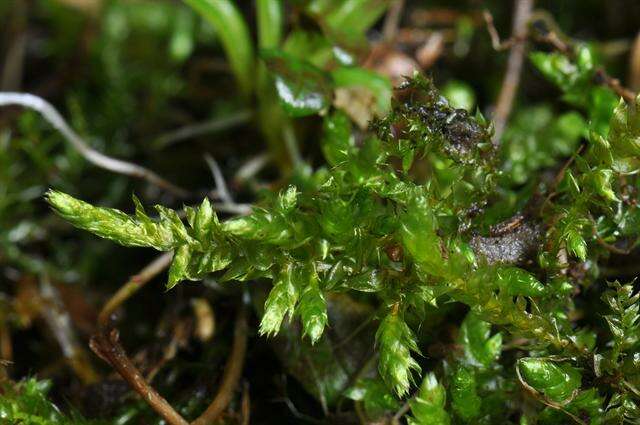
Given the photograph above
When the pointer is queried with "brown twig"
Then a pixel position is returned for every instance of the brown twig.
(612, 248)
(59, 322)
(609, 247)
(6, 347)
(511, 80)
(11, 75)
(545, 35)
(232, 372)
(132, 286)
(615, 85)
(440, 17)
(395, 420)
(431, 50)
(392, 20)
(551, 38)
(6, 344)
(496, 43)
(106, 345)
(179, 339)
(634, 65)
(246, 405)
(90, 7)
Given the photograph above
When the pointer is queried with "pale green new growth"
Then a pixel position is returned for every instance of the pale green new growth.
(281, 301)
(464, 397)
(428, 407)
(117, 226)
(313, 310)
(200, 248)
(396, 341)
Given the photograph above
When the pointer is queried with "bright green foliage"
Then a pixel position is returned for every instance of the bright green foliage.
(514, 281)
(460, 95)
(624, 322)
(138, 230)
(480, 348)
(622, 408)
(346, 21)
(303, 88)
(536, 139)
(313, 309)
(475, 369)
(234, 34)
(289, 232)
(576, 80)
(270, 22)
(396, 342)
(338, 140)
(557, 381)
(378, 85)
(428, 406)
(572, 225)
(375, 396)
(464, 397)
(406, 215)
(586, 404)
(624, 138)
(282, 300)
(26, 403)
(418, 231)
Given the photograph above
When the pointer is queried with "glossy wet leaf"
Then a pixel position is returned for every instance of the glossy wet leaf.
(303, 89)
(515, 281)
(557, 381)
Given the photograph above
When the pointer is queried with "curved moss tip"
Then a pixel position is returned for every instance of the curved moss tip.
(59, 201)
(52, 197)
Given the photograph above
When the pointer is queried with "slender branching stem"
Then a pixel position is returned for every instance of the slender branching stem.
(58, 320)
(200, 129)
(392, 20)
(634, 64)
(106, 345)
(99, 159)
(511, 80)
(222, 192)
(106, 342)
(232, 371)
(132, 286)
